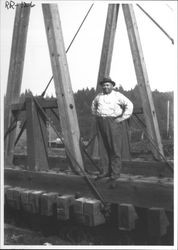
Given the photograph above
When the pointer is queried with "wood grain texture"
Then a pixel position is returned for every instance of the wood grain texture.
(142, 79)
(62, 81)
(141, 192)
(37, 139)
(144, 168)
(15, 73)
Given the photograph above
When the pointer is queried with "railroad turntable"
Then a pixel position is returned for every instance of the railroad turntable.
(66, 189)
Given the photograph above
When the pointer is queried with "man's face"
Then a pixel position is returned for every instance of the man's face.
(107, 87)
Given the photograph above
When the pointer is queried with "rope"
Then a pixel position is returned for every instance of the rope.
(153, 143)
(43, 93)
(146, 13)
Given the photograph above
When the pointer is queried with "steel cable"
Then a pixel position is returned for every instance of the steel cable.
(146, 13)
(69, 153)
(43, 93)
(152, 142)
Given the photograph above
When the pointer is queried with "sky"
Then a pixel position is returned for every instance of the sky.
(84, 55)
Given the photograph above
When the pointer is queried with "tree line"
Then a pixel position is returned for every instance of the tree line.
(83, 100)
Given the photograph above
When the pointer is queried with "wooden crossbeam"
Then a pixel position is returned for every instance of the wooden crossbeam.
(52, 104)
(47, 104)
(144, 168)
(140, 192)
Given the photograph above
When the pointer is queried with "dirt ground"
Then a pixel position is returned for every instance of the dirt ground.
(17, 236)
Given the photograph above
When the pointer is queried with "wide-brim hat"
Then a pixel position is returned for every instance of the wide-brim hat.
(107, 79)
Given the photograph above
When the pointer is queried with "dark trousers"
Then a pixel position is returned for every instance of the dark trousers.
(110, 144)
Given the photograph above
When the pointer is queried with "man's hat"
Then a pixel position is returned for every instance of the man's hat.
(107, 79)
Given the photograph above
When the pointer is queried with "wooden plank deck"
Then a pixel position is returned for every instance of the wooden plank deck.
(134, 167)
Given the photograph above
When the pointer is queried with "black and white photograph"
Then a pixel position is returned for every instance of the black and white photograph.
(88, 117)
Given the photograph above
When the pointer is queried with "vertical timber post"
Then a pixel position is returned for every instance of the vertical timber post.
(108, 42)
(64, 94)
(37, 140)
(15, 74)
(105, 60)
(105, 65)
(168, 119)
(142, 79)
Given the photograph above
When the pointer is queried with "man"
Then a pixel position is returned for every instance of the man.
(110, 108)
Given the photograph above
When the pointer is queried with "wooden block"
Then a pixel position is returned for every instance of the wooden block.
(92, 213)
(34, 200)
(30, 200)
(64, 203)
(126, 217)
(78, 206)
(88, 211)
(157, 224)
(25, 201)
(6, 187)
(13, 197)
(48, 201)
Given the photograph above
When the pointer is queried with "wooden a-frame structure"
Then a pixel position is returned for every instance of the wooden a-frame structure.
(140, 70)
(147, 185)
(65, 101)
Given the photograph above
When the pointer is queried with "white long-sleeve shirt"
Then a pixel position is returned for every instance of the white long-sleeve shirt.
(110, 105)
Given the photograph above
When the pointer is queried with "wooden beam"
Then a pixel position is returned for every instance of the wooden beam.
(127, 217)
(37, 139)
(157, 225)
(15, 73)
(52, 104)
(64, 94)
(47, 104)
(144, 168)
(142, 79)
(104, 70)
(108, 42)
(105, 65)
(140, 192)
(125, 141)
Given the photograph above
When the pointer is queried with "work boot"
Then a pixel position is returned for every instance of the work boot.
(115, 176)
(103, 175)
(95, 173)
